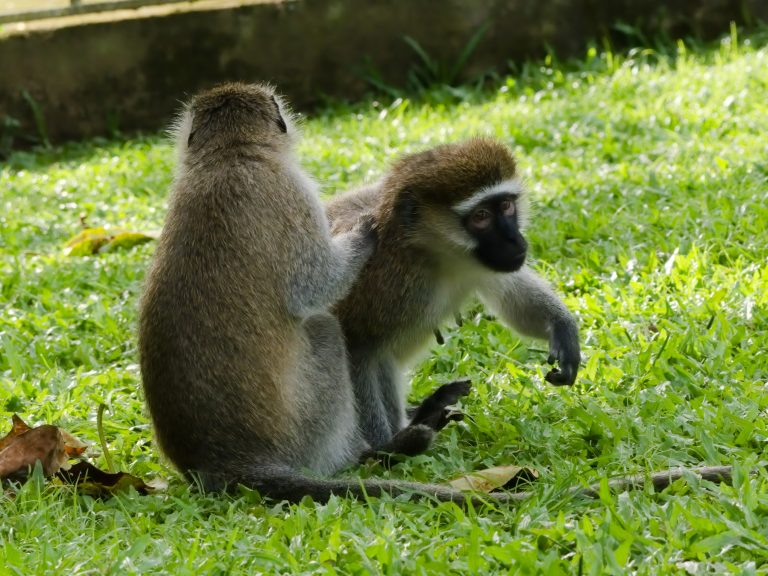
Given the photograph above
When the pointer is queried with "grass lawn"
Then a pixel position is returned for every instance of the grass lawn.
(650, 179)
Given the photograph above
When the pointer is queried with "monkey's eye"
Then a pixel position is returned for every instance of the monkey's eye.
(481, 218)
(507, 207)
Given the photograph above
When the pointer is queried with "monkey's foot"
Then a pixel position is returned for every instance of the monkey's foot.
(411, 440)
(433, 410)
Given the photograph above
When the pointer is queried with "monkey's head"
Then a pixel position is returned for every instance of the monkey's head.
(235, 113)
(459, 199)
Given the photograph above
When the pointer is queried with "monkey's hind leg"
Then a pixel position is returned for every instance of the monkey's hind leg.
(409, 441)
(330, 436)
(379, 417)
(433, 410)
(429, 417)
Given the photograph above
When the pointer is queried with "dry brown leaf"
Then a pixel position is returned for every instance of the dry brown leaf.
(44, 443)
(91, 480)
(157, 484)
(18, 426)
(490, 479)
(23, 446)
(73, 446)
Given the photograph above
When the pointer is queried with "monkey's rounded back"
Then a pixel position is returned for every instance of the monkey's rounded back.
(219, 349)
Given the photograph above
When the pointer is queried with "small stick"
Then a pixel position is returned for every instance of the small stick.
(659, 480)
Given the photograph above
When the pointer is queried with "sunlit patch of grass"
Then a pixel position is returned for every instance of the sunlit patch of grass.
(650, 180)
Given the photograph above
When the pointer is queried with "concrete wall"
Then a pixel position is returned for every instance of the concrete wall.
(131, 73)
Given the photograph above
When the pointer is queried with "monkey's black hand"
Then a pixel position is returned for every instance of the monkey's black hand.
(433, 410)
(564, 348)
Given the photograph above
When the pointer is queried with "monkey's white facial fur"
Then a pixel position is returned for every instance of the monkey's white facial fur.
(446, 233)
(512, 187)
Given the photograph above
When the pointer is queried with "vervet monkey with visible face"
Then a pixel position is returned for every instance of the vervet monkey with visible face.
(244, 371)
(449, 222)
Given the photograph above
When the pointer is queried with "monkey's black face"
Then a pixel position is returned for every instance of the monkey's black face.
(494, 225)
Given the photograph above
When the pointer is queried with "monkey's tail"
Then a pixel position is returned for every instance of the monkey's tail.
(285, 483)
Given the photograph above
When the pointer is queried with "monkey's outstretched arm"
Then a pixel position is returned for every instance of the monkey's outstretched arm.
(351, 251)
(326, 276)
(529, 305)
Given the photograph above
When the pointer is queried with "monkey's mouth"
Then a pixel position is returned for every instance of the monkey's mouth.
(503, 261)
(516, 262)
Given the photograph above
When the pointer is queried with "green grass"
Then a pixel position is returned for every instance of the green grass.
(650, 178)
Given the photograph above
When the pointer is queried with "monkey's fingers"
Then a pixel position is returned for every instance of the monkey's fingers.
(441, 420)
(551, 359)
(411, 411)
(450, 415)
(431, 410)
(450, 393)
(558, 377)
(410, 441)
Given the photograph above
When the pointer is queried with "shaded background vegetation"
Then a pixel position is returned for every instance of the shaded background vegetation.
(118, 72)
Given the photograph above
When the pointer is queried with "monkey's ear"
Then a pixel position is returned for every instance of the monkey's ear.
(280, 121)
(192, 128)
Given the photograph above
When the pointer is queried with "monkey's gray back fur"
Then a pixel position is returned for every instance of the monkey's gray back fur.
(241, 365)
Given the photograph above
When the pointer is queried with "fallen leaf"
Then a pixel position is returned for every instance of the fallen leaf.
(490, 479)
(126, 240)
(94, 240)
(86, 242)
(52, 446)
(44, 443)
(91, 480)
(157, 484)
(73, 446)
(18, 426)
(23, 446)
